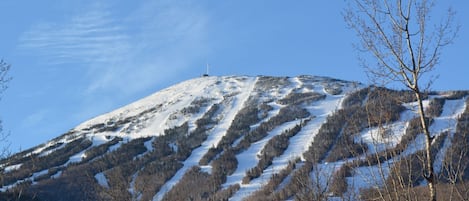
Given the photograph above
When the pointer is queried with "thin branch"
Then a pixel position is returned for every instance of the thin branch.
(383, 36)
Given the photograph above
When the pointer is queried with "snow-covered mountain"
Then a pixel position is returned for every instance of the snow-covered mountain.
(244, 138)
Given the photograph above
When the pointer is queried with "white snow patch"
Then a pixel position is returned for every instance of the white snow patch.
(76, 158)
(8, 187)
(440, 156)
(174, 147)
(32, 178)
(38, 174)
(116, 146)
(12, 168)
(148, 145)
(416, 145)
(135, 195)
(388, 136)
(101, 179)
(368, 176)
(273, 112)
(64, 140)
(101, 138)
(452, 109)
(45, 153)
(447, 121)
(56, 175)
(322, 173)
(380, 139)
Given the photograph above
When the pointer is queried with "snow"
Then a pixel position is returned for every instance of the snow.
(116, 146)
(135, 195)
(64, 140)
(101, 179)
(388, 136)
(453, 108)
(12, 168)
(168, 95)
(374, 176)
(448, 118)
(298, 145)
(40, 173)
(101, 138)
(56, 175)
(148, 145)
(440, 156)
(192, 123)
(380, 139)
(174, 147)
(245, 88)
(369, 176)
(320, 110)
(163, 110)
(414, 146)
(76, 158)
(322, 173)
(248, 159)
(447, 122)
(288, 178)
(45, 153)
(273, 112)
(153, 112)
(8, 187)
(32, 178)
(301, 141)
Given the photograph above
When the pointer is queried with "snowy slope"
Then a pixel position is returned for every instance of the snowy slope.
(229, 111)
(145, 150)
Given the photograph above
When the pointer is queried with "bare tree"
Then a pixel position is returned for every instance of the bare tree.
(4, 79)
(407, 44)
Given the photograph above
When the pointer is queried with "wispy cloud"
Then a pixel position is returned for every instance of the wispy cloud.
(86, 38)
(34, 118)
(167, 37)
(129, 51)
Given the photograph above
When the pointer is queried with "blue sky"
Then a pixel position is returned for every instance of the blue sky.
(73, 60)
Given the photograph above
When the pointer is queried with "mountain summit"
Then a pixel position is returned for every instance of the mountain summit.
(244, 138)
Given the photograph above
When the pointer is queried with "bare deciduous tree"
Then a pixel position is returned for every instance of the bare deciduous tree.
(4, 79)
(407, 44)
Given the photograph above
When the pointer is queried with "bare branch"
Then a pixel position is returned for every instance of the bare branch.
(405, 47)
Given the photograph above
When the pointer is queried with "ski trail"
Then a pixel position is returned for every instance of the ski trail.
(248, 158)
(213, 138)
(298, 145)
(447, 121)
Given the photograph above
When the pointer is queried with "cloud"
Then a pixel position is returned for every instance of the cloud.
(35, 118)
(90, 37)
(130, 50)
(167, 38)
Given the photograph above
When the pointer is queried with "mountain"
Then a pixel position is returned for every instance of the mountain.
(250, 138)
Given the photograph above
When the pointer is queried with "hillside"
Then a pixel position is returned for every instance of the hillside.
(251, 138)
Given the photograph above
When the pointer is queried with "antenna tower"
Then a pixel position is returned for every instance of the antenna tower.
(206, 71)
